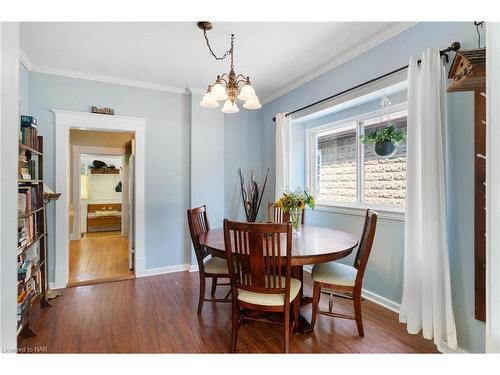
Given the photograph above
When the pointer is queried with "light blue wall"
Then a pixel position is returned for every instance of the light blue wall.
(167, 153)
(384, 272)
(242, 145)
(207, 160)
(23, 89)
(192, 154)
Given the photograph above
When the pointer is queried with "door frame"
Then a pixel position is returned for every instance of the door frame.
(64, 121)
(77, 152)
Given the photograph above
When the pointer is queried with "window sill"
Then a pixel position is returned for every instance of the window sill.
(383, 213)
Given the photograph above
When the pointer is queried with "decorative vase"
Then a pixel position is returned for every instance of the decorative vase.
(296, 219)
(385, 149)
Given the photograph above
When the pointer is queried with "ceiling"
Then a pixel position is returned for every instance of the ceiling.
(172, 56)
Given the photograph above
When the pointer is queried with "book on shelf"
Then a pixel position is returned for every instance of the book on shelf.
(28, 122)
(28, 261)
(26, 230)
(28, 135)
(27, 199)
(26, 167)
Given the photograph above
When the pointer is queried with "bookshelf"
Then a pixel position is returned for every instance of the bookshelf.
(32, 244)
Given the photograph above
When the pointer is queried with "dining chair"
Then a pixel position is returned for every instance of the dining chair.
(208, 266)
(277, 215)
(337, 277)
(260, 270)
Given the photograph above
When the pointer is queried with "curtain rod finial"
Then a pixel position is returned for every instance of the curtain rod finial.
(455, 46)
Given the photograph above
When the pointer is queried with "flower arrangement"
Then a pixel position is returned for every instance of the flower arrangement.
(296, 200)
(294, 203)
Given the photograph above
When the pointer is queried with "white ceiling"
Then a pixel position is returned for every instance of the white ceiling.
(277, 56)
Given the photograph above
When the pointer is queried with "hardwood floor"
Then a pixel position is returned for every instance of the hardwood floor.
(102, 234)
(98, 258)
(157, 314)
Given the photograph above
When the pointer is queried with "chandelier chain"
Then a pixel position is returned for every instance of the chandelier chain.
(227, 53)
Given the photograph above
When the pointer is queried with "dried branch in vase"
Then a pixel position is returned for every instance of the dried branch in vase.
(251, 195)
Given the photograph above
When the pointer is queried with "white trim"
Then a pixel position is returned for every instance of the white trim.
(168, 269)
(98, 77)
(194, 268)
(360, 49)
(64, 121)
(391, 110)
(382, 301)
(492, 188)
(196, 90)
(383, 212)
(445, 349)
(25, 60)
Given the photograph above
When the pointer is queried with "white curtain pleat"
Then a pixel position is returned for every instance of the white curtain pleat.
(426, 303)
(283, 153)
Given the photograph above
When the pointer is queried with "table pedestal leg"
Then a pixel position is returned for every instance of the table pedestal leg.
(304, 326)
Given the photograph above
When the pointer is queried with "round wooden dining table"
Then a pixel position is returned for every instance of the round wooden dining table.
(311, 245)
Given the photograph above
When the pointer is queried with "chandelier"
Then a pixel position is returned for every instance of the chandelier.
(228, 87)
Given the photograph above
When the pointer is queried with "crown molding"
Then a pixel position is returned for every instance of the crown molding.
(371, 43)
(196, 90)
(24, 59)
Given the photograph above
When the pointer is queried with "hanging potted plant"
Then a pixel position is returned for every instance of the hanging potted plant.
(385, 140)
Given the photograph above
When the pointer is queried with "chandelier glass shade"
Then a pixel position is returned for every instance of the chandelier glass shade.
(228, 87)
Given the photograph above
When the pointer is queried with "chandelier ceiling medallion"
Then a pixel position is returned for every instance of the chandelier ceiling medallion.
(228, 87)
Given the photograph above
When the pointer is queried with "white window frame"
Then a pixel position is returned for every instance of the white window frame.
(358, 208)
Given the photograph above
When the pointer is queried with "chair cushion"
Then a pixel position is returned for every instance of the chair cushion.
(264, 299)
(216, 265)
(334, 273)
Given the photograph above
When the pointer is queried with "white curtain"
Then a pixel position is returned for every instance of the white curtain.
(283, 151)
(426, 303)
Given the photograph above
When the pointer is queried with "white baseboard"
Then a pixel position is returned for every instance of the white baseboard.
(169, 269)
(445, 349)
(52, 285)
(374, 297)
(382, 301)
(193, 268)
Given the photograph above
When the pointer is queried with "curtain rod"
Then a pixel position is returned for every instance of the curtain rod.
(455, 46)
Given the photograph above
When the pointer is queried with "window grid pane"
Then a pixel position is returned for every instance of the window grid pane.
(384, 182)
(338, 165)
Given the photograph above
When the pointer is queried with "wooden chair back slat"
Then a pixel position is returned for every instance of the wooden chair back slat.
(365, 243)
(198, 224)
(277, 215)
(257, 256)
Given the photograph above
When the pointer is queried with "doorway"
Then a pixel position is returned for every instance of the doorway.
(101, 245)
(67, 212)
